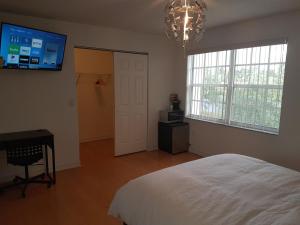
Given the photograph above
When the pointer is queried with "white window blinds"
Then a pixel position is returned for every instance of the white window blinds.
(241, 87)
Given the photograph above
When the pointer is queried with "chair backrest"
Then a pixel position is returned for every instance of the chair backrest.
(24, 155)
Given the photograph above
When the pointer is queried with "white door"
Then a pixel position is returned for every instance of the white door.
(130, 71)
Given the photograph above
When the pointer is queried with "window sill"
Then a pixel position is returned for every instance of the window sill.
(233, 126)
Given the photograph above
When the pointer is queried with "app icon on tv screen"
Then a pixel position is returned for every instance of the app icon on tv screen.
(27, 48)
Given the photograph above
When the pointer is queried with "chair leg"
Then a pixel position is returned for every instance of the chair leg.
(40, 176)
(26, 181)
(24, 190)
(18, 179)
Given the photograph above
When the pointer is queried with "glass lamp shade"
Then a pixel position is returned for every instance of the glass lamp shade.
(185, 20)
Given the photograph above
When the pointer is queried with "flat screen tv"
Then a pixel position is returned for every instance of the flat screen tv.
(28, 48)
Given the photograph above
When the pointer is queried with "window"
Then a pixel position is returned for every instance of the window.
(241, 87)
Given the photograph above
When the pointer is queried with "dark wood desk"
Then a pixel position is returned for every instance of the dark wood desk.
(33, 137)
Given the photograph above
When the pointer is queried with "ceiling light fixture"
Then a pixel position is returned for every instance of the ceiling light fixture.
(185, 20)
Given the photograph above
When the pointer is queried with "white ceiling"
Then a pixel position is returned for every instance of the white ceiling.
(142, 15)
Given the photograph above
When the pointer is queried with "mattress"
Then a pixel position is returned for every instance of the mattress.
(225, 189)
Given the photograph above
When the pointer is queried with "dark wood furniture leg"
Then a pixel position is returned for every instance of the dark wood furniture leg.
(46, 161)
(53, 165)
(47, 167)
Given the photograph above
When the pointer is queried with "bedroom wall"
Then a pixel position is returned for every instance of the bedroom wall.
(284, 149)
(37, 99)
(95, 102)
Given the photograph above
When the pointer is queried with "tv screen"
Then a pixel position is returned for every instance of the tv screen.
(27, 48)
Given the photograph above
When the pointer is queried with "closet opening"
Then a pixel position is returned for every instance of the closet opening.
(94, 71)
(112, 97)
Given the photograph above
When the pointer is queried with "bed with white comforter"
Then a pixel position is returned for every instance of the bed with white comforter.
(225, 189)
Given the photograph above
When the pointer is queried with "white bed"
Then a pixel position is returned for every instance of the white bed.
(225, 189)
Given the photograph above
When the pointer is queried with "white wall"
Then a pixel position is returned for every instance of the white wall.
(284, 149)
(35, 99)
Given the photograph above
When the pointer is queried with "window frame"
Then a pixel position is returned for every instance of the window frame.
(227, 121)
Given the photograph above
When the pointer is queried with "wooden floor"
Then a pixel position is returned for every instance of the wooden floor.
(82, 195)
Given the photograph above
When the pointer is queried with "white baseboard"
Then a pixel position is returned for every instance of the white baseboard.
(83, 140)
(196, 150)
(67, 166)
(6, 177)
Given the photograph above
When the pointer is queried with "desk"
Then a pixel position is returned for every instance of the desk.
(33, 137)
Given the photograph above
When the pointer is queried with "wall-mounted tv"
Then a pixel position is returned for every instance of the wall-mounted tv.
(28, 48)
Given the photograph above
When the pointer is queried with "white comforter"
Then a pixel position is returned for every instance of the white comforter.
(219, 190)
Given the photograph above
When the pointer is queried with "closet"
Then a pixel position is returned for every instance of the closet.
(95, 94)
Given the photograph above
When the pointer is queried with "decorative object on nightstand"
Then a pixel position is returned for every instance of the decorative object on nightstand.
(174, 102)
(175, 114)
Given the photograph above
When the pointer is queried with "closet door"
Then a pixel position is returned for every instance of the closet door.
(130, 71)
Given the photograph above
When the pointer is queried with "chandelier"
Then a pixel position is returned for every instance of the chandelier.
(185, 20)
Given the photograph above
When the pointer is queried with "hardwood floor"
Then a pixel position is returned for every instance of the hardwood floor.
(82, 195)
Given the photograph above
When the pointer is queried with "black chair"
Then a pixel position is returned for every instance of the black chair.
(26, 156)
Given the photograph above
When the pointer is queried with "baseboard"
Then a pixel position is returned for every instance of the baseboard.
(155, 147)
(194, 149)
(67, 166)
(6, 177)
(83, 140)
